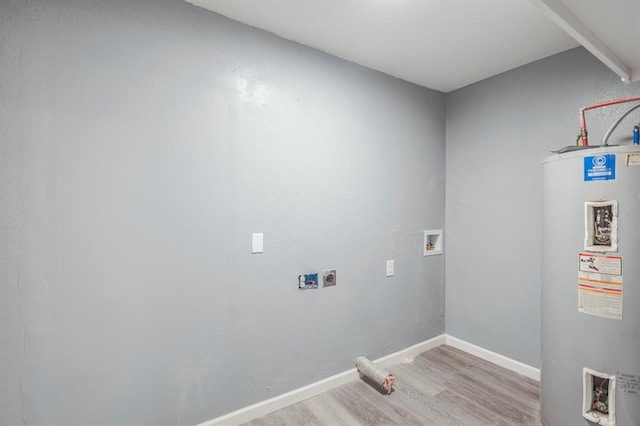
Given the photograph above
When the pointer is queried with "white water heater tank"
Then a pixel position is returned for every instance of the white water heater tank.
(591, 287)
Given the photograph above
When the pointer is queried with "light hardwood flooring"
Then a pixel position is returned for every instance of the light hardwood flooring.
(444, 386)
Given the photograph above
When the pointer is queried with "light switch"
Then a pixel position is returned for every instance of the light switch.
(257, 243)
(391, 268)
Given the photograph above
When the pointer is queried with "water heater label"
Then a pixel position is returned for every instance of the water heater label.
(600, 294)
(611, 265)
(629, 384)
(600, 167)
(633, 159)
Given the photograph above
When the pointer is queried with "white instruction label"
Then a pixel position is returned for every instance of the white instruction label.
(600, 294)
(629, 384)
(633, 159)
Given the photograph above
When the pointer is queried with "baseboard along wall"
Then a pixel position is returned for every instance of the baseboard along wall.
(265, 407)
(493, 357)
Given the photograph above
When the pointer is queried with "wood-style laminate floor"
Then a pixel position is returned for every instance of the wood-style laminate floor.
(444, 386)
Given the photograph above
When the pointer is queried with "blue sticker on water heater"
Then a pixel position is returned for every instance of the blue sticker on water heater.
(600, 167)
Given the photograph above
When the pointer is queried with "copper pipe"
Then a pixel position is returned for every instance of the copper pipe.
(583, 122)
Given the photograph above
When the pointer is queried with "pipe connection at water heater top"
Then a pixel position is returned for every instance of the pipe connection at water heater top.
(605, 139)
(583, 123)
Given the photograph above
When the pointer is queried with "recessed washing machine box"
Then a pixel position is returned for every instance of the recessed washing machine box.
(432, 242)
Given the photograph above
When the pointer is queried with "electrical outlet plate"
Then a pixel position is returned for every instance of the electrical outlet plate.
(432, 242)
(391, 268)
(329, 278)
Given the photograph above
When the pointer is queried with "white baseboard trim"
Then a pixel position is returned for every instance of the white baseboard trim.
(265, 407)
(493, 357)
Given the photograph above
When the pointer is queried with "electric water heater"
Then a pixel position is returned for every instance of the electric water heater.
(591, 287)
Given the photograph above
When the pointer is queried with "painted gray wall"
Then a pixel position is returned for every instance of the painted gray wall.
(141, 143)
(498, 132)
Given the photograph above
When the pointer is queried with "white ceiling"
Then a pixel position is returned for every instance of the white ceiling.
(445, 44)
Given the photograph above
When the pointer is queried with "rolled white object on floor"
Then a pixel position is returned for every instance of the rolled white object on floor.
(378, 375)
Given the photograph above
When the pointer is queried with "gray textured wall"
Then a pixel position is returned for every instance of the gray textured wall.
(141, 143)
(498, 132)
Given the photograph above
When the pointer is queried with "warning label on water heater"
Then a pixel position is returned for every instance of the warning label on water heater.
(610, 265)
(600, 285)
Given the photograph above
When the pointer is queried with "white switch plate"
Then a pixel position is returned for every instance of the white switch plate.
(390, 268)
(257, 241)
